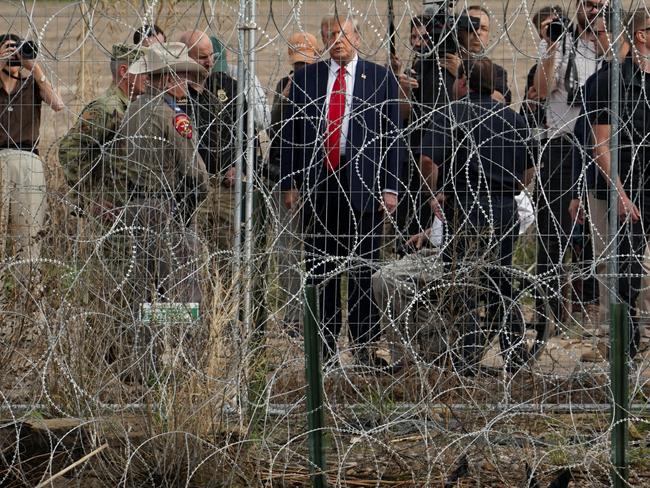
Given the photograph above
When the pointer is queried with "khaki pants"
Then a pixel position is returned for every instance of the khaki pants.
(216, 218)
(22, 207)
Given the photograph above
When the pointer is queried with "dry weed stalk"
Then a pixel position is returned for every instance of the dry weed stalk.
(208, 392)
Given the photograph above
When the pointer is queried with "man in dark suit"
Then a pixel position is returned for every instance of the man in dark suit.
(340, 161)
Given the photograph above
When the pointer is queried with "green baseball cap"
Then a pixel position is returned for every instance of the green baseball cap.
(125, 52)
(220, 61)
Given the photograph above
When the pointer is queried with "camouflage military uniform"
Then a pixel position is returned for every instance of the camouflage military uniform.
(83, 149)
(159, 180)
(84, 154)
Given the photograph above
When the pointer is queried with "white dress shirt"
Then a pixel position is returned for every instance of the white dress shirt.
(350, 73)
(561, 117)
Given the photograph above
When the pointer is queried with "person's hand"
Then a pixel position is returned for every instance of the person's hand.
(7, 51)
(287, 89)
(576, 211)
(532, 94)
(497, 96)
(390, 202)
(28, 64)
(229, 177)
(451, 62)
(627, 207)
(395, 63)
(436, 203)
(407, 83)
(419, 239)
(543, 32)
(290, 198)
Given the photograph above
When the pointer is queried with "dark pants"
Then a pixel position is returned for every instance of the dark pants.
(340, 240)
(414, 213)
(482, 234)
(554, 229)
(631, 250)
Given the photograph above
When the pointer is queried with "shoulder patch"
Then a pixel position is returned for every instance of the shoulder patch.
(183, 125)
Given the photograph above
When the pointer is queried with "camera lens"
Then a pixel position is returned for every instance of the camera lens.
(556, 29)
(28, 50)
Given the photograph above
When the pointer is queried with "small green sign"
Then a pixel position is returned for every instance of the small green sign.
(169, 313)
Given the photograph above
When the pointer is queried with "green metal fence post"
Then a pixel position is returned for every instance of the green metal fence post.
(315, 411)
(620, 385)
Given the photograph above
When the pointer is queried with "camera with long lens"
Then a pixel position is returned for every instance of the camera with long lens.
(444, 26)
(558, 27)
(24, 49)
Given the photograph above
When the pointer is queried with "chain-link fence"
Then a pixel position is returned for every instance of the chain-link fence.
(349, 243)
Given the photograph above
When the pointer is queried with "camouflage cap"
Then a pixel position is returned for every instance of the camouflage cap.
(125, 52)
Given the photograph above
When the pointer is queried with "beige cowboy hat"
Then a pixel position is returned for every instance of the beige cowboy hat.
(171, 57)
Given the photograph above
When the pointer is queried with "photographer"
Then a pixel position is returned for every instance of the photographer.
(568, 56)
(24, 88)
(532, 106)
(436, 43)
(420, 85)
(426, 71)
(473, 26)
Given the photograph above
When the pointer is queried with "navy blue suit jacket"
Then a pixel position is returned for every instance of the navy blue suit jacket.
(373, 147)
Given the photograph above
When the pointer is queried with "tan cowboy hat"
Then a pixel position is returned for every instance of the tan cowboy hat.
(302, 48)
(171, 57)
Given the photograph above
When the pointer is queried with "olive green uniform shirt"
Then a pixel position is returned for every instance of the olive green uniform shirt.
(84, 149)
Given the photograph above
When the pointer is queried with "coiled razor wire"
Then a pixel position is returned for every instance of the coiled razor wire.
(95, 394)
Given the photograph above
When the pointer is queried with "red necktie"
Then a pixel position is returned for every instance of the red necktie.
(335, 113)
